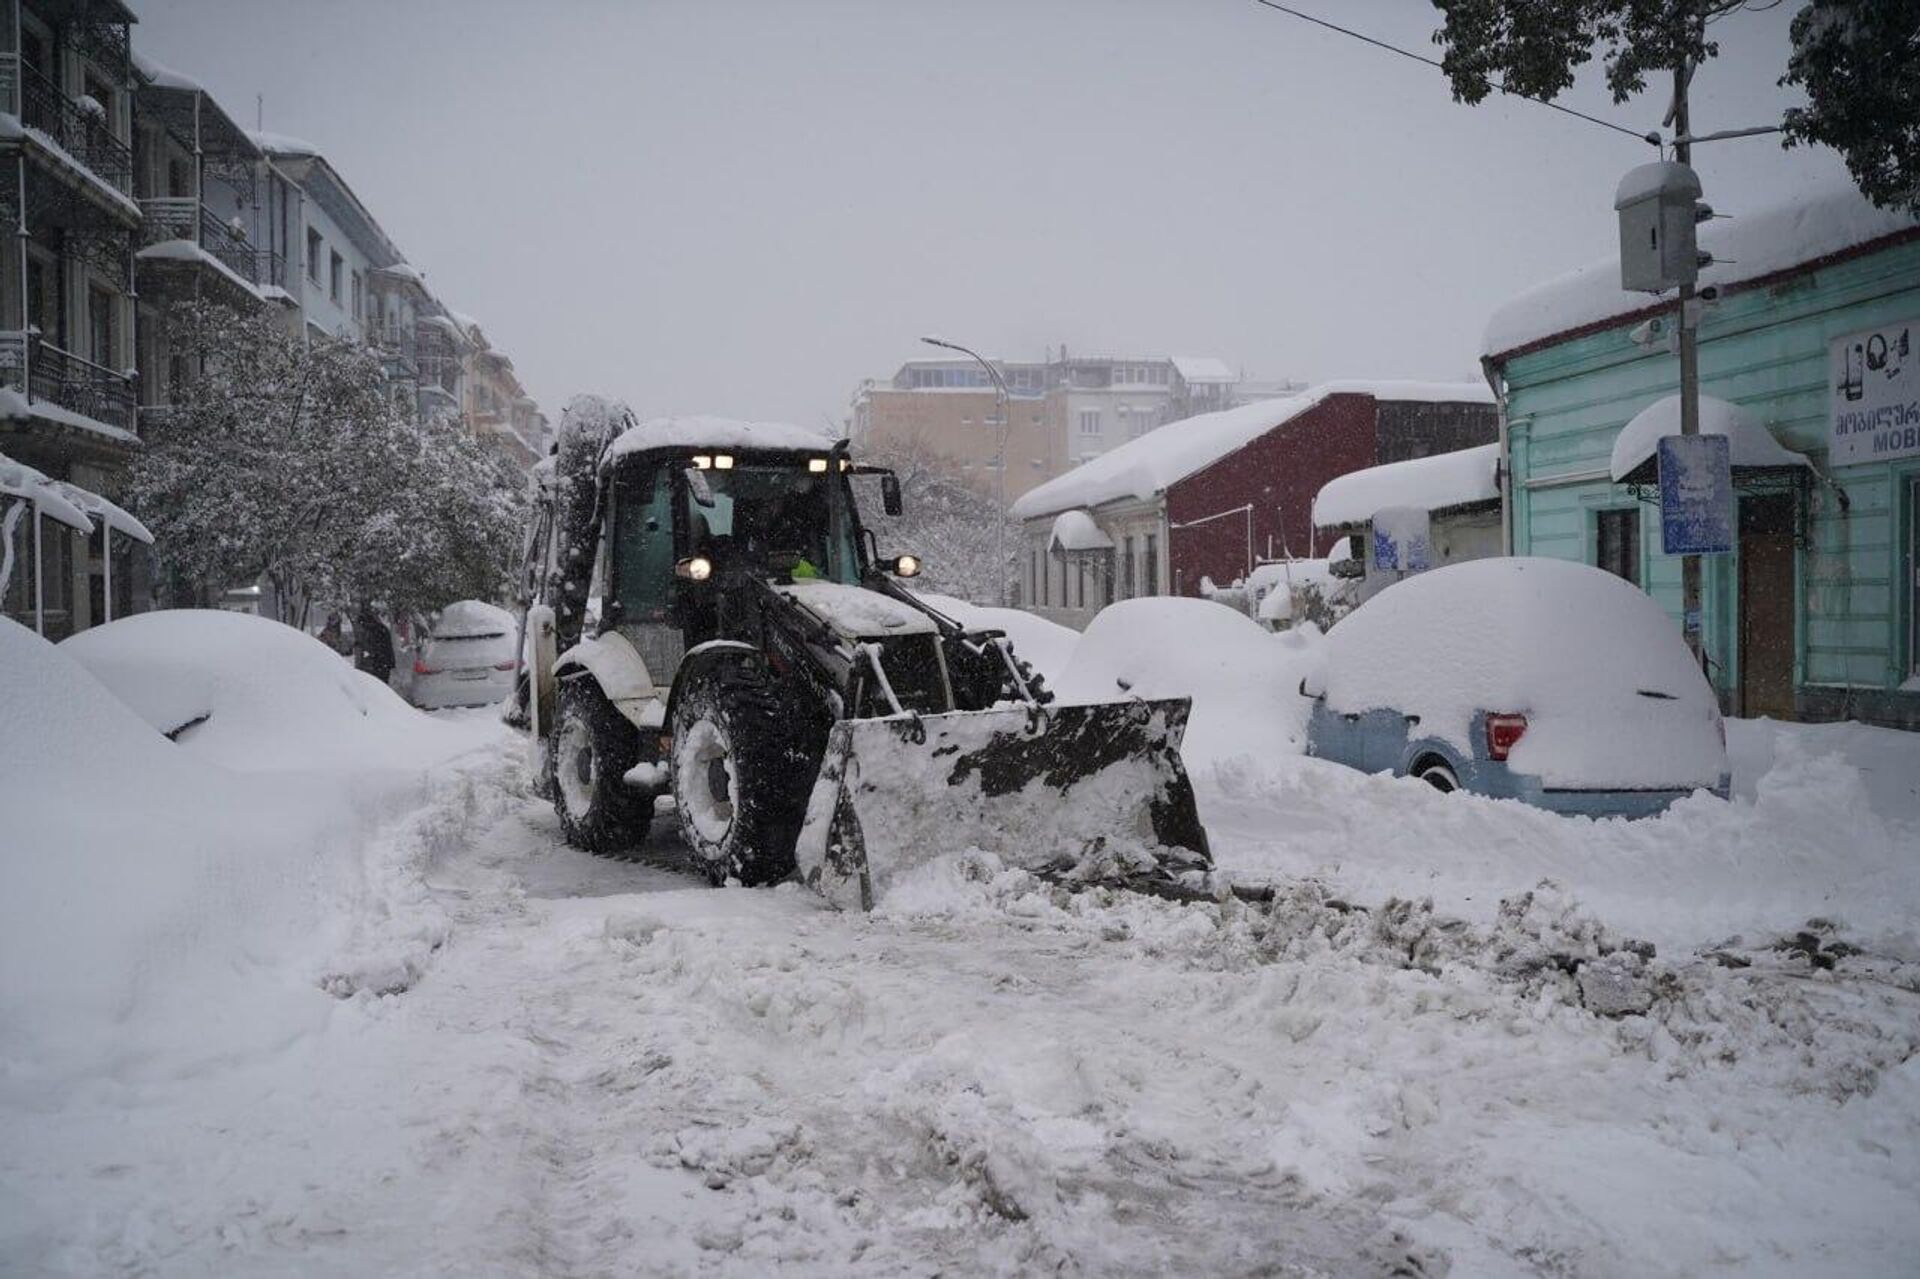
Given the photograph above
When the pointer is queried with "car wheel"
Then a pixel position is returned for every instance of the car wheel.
(593, 747)
(1438, 775)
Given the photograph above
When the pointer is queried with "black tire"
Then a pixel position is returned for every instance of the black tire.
(1437, 774)
(592, 748)
(744, 764)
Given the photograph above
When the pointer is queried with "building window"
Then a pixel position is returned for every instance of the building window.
(356, 295)
(1046, 582)
(1080, 583)
(336, 267)
(1617, 543)
(1089, 421)
(313, 255)
(1033, 574)
(100, 326)
(1153, 565)
(1126, 569)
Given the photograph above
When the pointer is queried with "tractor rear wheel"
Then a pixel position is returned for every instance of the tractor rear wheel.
(593, 747)
(742, 773)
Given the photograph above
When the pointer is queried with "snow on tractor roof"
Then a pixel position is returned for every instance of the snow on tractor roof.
(1831, 217)
(1433, 483)
(1145, 466)
(702, 432)
(1749, 443)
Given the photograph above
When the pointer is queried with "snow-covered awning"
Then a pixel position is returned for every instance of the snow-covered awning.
(109, 513)
(1436, 483)
(17, 479)
(1750, 444)
(1076, 531)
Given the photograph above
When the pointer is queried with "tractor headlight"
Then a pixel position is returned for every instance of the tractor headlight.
(696, 569)
(907, 566)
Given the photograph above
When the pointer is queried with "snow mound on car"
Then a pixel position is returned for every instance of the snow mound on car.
(1243, 680)
(255, 695)
(1610, 693)
(467, 618)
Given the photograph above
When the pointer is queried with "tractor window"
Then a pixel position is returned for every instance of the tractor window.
(643, 545)
(782, 518)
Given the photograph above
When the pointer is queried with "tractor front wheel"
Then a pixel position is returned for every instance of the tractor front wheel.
(593, 747)
(741, 775)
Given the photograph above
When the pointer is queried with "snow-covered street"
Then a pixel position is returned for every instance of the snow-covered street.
(537, 1061)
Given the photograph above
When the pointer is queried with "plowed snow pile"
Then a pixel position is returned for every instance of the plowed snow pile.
(157, 910)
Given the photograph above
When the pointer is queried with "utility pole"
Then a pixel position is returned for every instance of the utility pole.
(1689, 315)
(999, 460)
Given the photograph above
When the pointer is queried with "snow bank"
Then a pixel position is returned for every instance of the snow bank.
(254, 695)
(1829, 218)
(1749, 443)
(1046, 646)
(1430, 483)
(1611, 696)
(1242, 679)
(1147, 465)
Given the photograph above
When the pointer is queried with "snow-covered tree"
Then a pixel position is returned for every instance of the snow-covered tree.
(967, 544)
(1859, 61)
(287, 458)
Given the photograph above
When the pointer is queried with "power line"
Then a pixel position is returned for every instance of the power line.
(1650, 139)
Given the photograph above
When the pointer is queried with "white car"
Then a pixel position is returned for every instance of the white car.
(467, 658)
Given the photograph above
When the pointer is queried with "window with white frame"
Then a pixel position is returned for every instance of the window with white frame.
(1089, 421)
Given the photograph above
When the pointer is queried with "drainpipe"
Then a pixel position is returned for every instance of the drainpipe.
(1498, 386)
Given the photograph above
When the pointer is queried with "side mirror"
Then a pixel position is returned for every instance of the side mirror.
(890, 494)
(698, 486)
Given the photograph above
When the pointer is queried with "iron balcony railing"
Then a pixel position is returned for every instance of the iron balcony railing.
(79, 385)
(182, 217)
(81, 132)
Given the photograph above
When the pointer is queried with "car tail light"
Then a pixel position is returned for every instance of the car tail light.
(1502, 732)
(421, 668)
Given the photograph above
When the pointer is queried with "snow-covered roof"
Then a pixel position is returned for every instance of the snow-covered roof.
(17, 479)
(405, 271)
(1748, 441)
(15, 407)
(164, 77)
(108, 513)
(1076, 531)
(701, 432)
(281, 143)
(1204, 368)
(1147, 465)
(1432, 483)
(1830, 218)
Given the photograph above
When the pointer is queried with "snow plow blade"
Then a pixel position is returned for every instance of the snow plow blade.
(1091, 794)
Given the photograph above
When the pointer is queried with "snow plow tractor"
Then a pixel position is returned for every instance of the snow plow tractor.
(710, 618)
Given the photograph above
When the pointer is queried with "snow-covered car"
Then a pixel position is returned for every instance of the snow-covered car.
(467, 657)
(1540, 680)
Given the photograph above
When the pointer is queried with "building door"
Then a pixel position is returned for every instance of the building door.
(1766, 606)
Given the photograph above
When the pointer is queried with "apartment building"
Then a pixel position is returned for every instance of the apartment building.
(127, 187)
(67, 389)
(1064, 410)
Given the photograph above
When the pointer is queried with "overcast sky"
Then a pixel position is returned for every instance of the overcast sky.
(746, 208)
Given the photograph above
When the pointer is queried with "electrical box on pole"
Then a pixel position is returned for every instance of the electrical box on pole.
(1659, 207)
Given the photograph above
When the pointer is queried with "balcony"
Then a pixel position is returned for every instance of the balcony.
(78, 384)
(79, 131)
(185, 218)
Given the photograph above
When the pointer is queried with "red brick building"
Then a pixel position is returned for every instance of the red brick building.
(1216, 495)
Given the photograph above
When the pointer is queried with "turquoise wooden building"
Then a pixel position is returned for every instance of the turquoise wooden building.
(1815, 334)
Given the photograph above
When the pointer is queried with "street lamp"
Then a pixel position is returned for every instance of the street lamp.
(999, 458)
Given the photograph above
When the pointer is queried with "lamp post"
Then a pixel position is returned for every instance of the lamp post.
(999, 460)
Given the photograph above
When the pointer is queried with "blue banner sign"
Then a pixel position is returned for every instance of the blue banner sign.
(1696, 495)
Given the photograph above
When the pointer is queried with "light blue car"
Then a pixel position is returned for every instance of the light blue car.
(1538, 680)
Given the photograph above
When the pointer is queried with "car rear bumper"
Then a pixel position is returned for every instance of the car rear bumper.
(1629, 804)
(445, 689)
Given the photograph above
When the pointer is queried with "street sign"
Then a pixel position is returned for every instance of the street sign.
(1874, 395)
(1696, 495)
(1402, 539)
